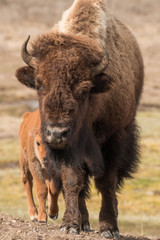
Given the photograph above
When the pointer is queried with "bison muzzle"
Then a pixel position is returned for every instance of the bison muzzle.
(57, 137)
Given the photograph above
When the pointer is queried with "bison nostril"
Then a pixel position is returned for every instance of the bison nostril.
(48, 133)
(65, 133)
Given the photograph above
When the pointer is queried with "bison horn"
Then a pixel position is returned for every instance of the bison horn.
(24, 53)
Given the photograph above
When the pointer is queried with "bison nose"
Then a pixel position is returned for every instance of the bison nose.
(57, 136)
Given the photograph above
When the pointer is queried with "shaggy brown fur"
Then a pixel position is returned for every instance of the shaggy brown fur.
(33, 163)
(88, 72)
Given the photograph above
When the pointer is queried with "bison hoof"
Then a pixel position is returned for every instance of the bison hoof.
(86, 227)
(73, 231)
(116, 235)
(109, 235)
(34, 219)
(54, 217)
(42, 221)
(70, 230)
(63, 229)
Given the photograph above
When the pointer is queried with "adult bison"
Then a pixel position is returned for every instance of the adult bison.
(88, 73)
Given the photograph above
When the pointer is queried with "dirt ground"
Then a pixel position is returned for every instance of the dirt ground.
(20, 229)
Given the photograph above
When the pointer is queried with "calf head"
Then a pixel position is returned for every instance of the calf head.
(39, 147)
(65, 71)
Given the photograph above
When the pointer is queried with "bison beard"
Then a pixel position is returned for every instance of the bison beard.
(88, 73)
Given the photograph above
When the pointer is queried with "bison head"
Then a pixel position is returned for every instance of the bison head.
(65, 71)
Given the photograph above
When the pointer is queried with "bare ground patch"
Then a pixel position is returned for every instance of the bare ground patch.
(16, 228)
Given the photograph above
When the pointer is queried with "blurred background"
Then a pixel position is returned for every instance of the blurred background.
(139, 201)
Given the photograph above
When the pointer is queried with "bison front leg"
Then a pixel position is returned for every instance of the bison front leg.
(72, 181)
(84, 194)
(108, 213)
(84, 213)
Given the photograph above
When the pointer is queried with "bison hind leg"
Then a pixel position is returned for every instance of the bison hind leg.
(121, 157)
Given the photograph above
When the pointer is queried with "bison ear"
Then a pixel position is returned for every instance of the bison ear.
(101, 83)
(25, 75)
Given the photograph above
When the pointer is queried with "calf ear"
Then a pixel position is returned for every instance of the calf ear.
(101, 83)
(33, 132)
(25, 75)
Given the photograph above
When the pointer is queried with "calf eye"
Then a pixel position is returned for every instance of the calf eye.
(38, 144)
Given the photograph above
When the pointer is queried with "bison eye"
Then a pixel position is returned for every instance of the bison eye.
(37, 87)
(38, 144)
(38, 83)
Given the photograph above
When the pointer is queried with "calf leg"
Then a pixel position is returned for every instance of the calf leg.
(41, 191)
(108, 213)
(72, 181)
(53, 194)
(27, 181)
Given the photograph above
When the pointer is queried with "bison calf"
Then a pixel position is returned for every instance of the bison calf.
(33, 162)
